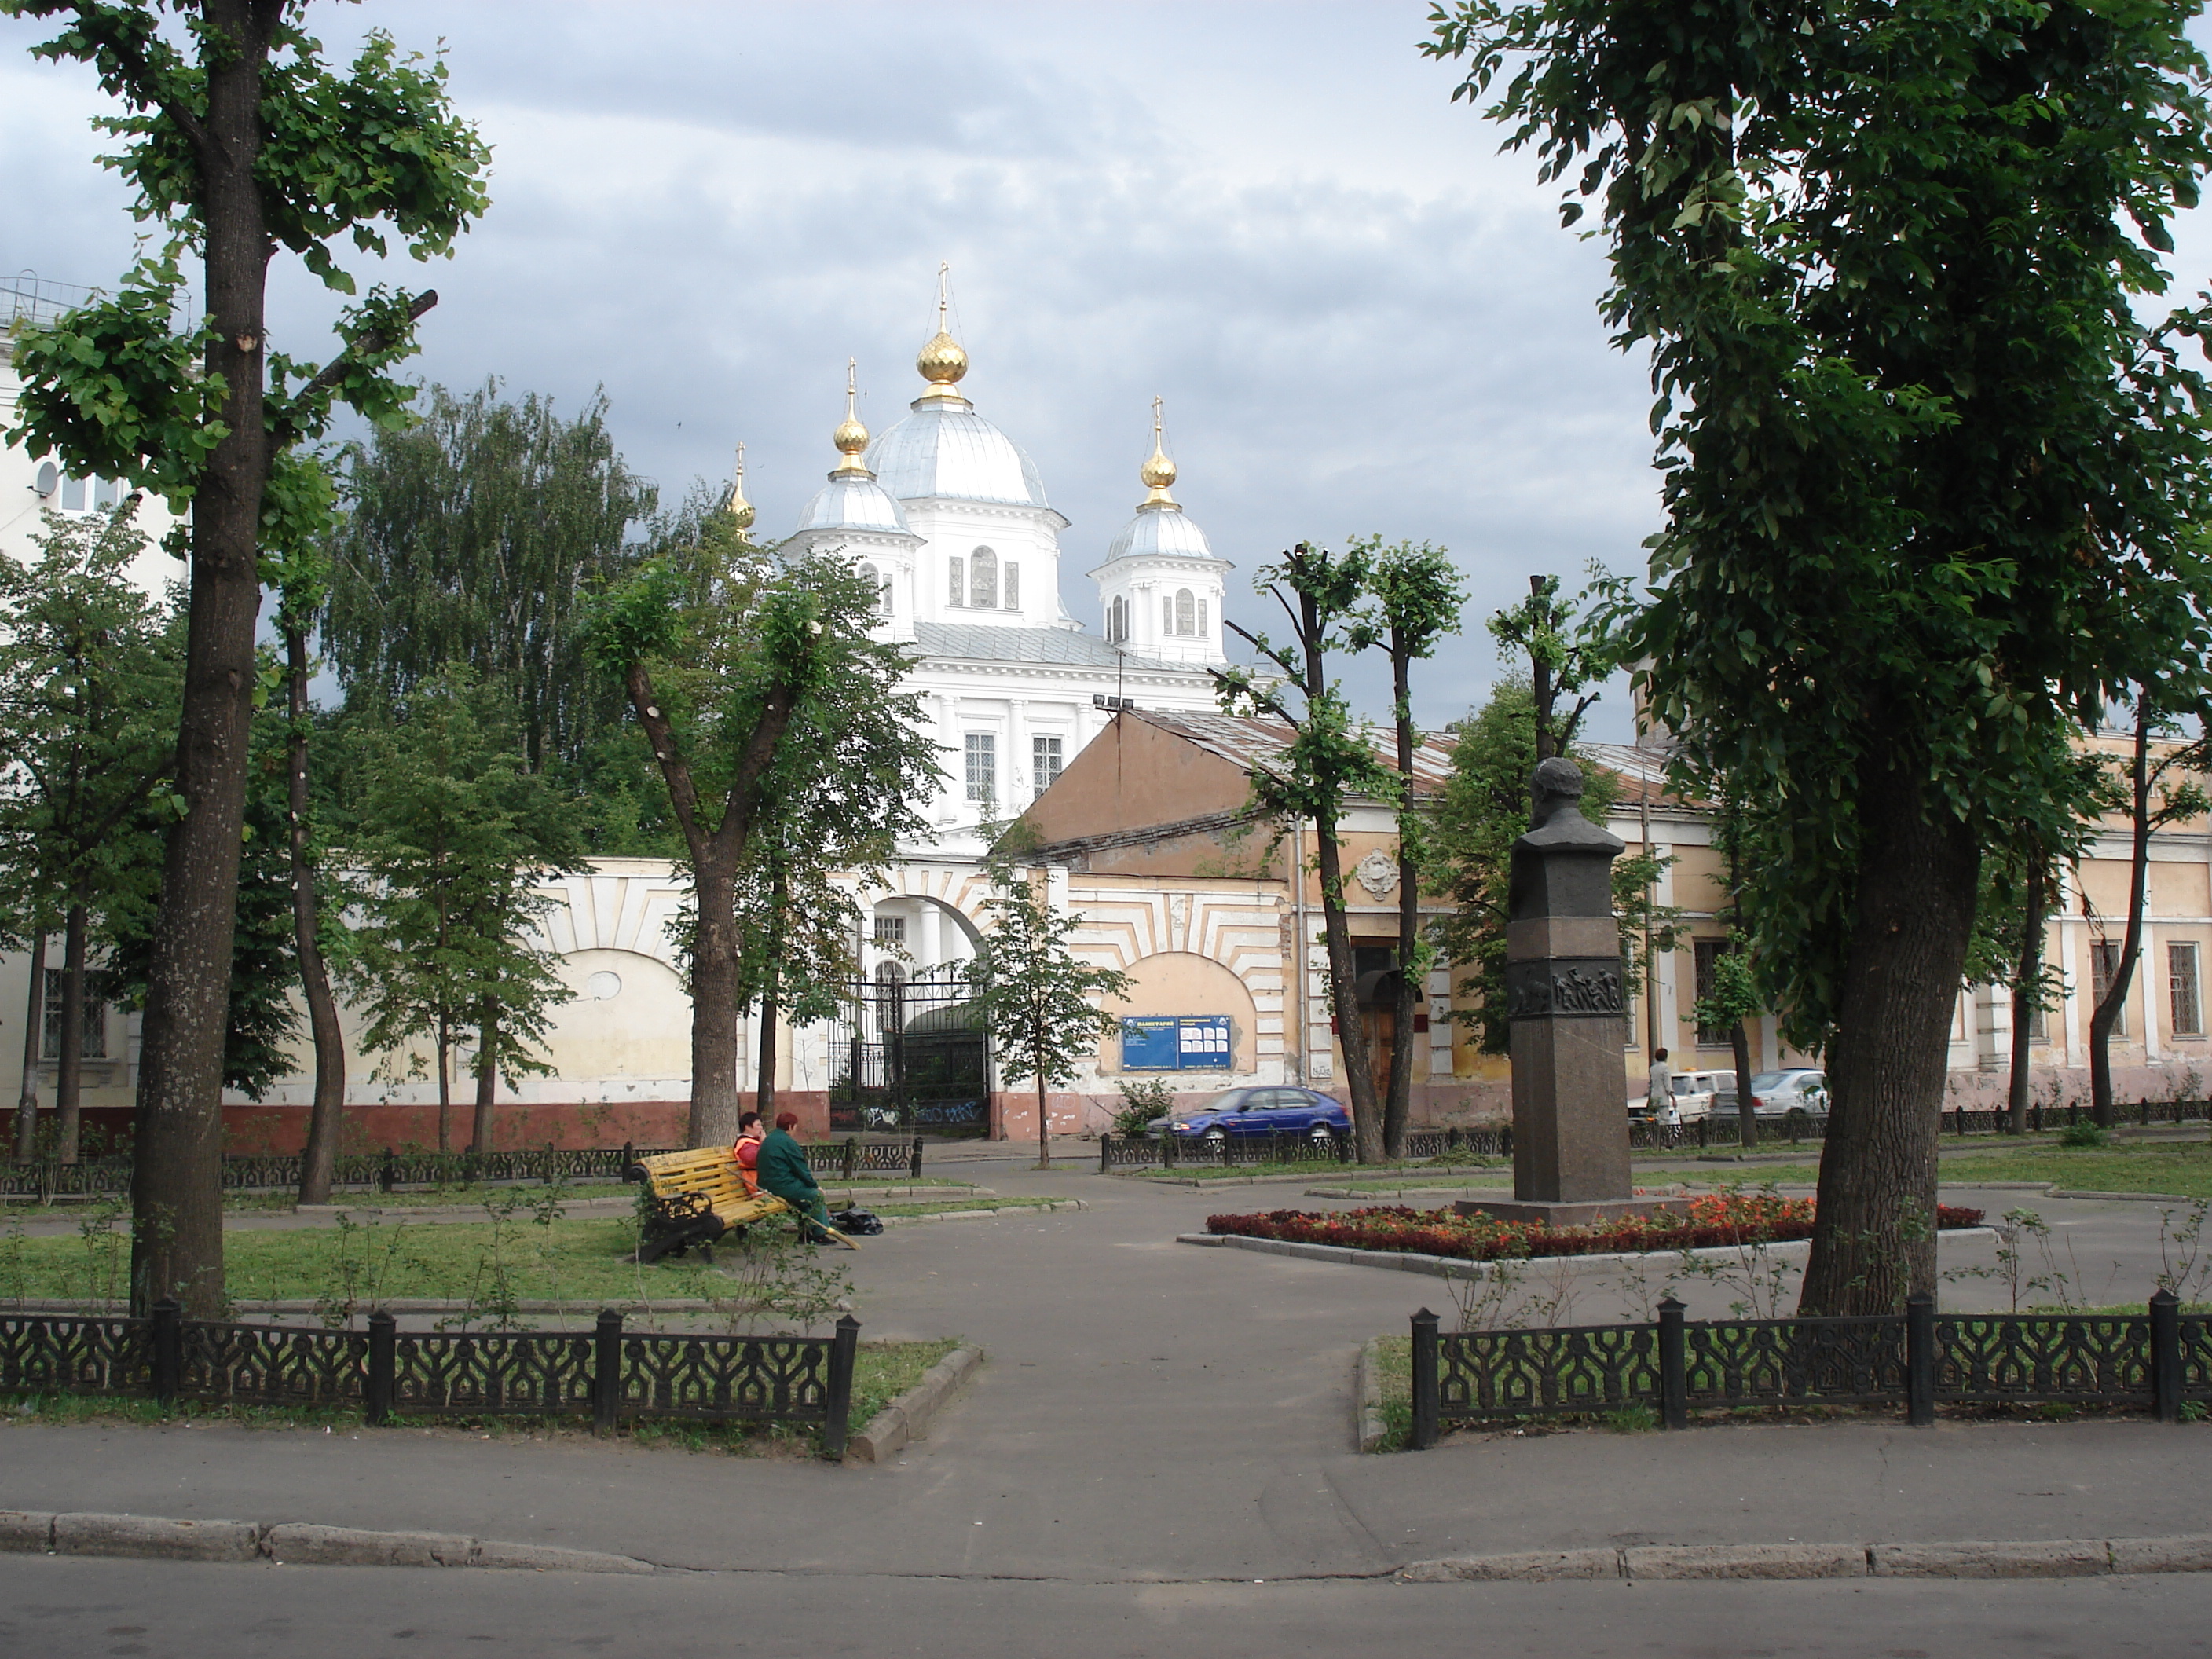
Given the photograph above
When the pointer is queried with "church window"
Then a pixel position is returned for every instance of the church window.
(983, 579)
(1047, 759)
(1009, 587)
(1167, 613)
(1186, 614)
(955, 592)
(982, 766)
(1203, 631)
(1117, 619)
(874, 579)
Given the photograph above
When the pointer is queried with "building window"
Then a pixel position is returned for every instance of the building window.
(890, 930)
(983, 579)
(1117, 620)
(982, 766)
(1185, 613)
(72, 495)
(93, 1044)
(955, 589)
(1704, 953)
(1046, 761)
(881, 583)
(2187, 1006)
(2104, 968)
(1203, 631)
(2039, 1024)
(1167, 613)
(1009, 587)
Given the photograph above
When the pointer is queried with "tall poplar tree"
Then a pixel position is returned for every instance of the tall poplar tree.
(1930, 484)
(476, 535)
(238, 139)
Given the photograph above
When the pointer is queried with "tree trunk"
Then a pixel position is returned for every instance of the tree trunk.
(1540, 683)
(34, 1031)
(445, 1087)
(1398, 1101)
(1344, 997)
(770, 1002)
(2115, 999)
(1044, 1121)
(1874, 1240)
(326, 1117)
(2026, 984)
(176, 1191)
(69, 1078)
(1746, 1115)
(715, 1100)
(487, 1074)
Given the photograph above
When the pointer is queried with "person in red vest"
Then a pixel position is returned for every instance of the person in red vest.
(747, 1150)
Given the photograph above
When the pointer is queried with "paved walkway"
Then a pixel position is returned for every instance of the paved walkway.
(1152, 1412)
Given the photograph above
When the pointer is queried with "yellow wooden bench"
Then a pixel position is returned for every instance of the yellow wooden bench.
(698, 1197)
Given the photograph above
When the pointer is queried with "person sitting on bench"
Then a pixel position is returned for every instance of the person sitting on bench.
(783, 1172)
(747, 1150)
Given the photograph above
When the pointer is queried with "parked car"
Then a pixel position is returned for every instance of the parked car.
(1795, 1089)
(1693, 1095)
(1275, 1111)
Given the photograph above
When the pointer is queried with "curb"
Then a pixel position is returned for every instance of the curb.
(1367, 1429)
(1442, 1267)
(907, 1417)
(2063, 1558)
(977, 1215)
(157, 1538)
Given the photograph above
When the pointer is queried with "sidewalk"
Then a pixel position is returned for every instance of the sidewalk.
(1155, 1411)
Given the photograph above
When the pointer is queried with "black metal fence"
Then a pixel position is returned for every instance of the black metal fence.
(606, 1374)
(2157, 1360)
(1236, 1151)
(388, 1171)
(910, 1055)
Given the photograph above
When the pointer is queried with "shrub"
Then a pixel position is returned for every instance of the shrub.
(2083, 1134)
(1141, 1102)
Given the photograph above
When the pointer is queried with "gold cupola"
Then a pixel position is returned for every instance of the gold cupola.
(942, 362)
(739, 509)
(1158, 471)
(851, 437)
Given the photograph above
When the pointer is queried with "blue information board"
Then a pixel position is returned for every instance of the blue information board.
(1175, 1043)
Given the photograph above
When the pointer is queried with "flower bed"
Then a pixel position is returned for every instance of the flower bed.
(1718, 1220)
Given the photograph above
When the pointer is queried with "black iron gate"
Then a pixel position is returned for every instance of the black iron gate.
(910, 1055)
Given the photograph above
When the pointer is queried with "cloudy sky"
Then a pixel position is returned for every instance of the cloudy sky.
(1361, 316)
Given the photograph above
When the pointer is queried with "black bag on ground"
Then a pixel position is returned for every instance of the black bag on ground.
(856, 1223)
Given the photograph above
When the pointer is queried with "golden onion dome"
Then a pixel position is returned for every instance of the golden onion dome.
(851, 437)
(739, 509)
(942, 362)
(1158, 471)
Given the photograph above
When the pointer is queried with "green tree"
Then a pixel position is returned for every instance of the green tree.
(1565, 660)
(1483, 811)
(237, 139)
(1043, 1005)
(454, 835)
(1417, 593)
(1928, 481)
(476, 534)
(1328, 763)
(88, 711)
(752, 677)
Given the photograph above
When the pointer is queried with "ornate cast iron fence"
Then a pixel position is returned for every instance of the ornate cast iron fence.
(2158, 1360)
(848, 1157)
(1233, 1151)
(605, 1374)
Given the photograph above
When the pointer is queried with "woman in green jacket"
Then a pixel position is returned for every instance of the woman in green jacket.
(783, 1171)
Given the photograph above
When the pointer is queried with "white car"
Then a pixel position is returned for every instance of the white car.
(1796, 1089)
(1691, 1097)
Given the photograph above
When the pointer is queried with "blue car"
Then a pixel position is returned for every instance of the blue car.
(1275, 1111)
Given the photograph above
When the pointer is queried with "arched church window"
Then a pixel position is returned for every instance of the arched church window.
(876, 579)
(1185, 613)
(983, 579)
(955, 589)
(1117, 619)
(1010, 585)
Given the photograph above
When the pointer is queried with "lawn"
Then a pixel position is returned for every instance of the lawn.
(484, 1265)
(2183, 1168)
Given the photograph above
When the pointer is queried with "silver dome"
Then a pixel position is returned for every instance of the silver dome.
(853, 501)
(1159, 532)
(946, 448)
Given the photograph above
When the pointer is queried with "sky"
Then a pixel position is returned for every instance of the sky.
(1361, 317)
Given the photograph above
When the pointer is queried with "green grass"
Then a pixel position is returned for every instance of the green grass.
(881, 1372)
(2184, 1168)
(1393, 1368)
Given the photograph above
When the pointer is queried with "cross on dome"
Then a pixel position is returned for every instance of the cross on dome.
(941, 361)
(1158, 471)
(739, 509)
(851, 437)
